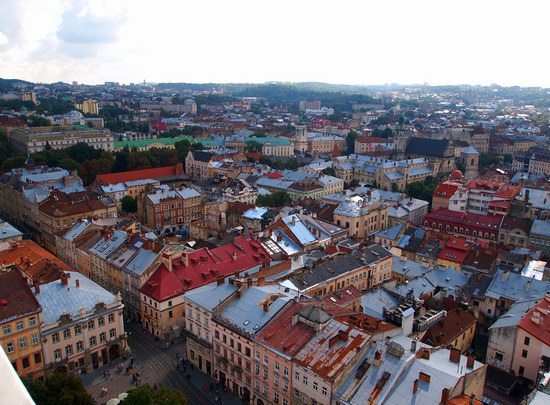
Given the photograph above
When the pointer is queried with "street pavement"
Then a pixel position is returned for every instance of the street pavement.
(156, 364)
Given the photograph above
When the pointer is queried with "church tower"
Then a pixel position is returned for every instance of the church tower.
(470, 159)
(400, 139)
(300, 138)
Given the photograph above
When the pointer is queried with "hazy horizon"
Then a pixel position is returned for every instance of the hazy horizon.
(358, 43)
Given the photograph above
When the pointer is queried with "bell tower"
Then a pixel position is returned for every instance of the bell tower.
(300, 138)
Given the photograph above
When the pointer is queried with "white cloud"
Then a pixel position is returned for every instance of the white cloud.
(253, 41)
(3, 39)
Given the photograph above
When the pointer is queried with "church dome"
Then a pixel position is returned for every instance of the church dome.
(456, 174)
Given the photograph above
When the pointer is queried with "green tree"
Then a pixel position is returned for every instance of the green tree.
(13, 162)
(488, 159)
(68, 164)
(59, 388)
(129, 204)
(145, 395)
(36, 121)
(507, 159)
(329, 171)
(354, 183)
(350, 142)
(276, 199)
(253, 146)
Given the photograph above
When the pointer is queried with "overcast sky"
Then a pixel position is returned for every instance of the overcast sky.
(352, 42)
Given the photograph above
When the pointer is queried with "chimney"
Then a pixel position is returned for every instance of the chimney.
(473, 399)
(505, 276)
(444, 396)
(415, 386)
(454, 355)
(279, 237)
(528, 285)
(266, 306)
(36, 287)
(220, 280)
(167, 260)
(77, 282)
(470, 362)
(424, 377)
(293, 220)
(413, 345)
(249, 282)
(232, 280)
(64, 279)
(261, 281)
(234, 256)
(526, 196)
(377, 358)
(185, 259)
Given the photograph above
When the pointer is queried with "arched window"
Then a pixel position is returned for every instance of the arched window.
(486, 235)
(472, 163)
(474, 233)
(440, 226)
(455, 229)
(467, 231)
(434, 225)
(448, 228)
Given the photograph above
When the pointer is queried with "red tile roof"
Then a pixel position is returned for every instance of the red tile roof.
(274, 175)
(26, 254)
(16, 297)
(449, 328)
(445, 190)
(537, 321)
(508, 191)
(155, 173)
(285, 337)
(204, 266)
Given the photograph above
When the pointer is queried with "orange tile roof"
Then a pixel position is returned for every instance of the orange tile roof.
(445, 190)
(155, 173)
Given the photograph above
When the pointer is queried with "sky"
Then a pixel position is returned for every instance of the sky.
(344, 42)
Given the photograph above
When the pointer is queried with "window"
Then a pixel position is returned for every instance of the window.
(93, 341)
(101, 322)
(526, 341)
(169, 303)
(324, 391)
(315, 385)
(69, 350)
(498, 356)
(285, 385)
(170, 314)
(285, 401)
(266, 391)
(7, 329)
(285, 371)
(112, 334)
(19, 325)
(297, 375)
(277, 366)
(34, 338)
(257, 385)
(102, 337)
(22, 342)
(276, 380)
(37, 358)
(296, 393)
(26, 362)
(79, 346)
(91, 325)
(217, 334)
(67, 334)
(257, 369)
(276, 397)
(266, 360)
(32, 321)
(304, 380)
(247, 351)
(77, 330)
(14, 365)
(521, 370)
(111, 318)
(266, 374)
(257, 354)
(9, 348)
(57, 354)
(524, 354)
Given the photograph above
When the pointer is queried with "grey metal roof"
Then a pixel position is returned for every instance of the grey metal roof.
(409, 268)
(103, 248)
(77, 229)
(516, 287)
(57, 299)
(247, 312)
(514, 314)
(314, 314)
(255, 213)
(8, 231)
(373, 303)
(541, 228)
(390, 233)
(299, 230)
(211, 295)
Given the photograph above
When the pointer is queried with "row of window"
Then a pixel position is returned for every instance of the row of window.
(26, 361)
(78, 328)
(80, 344)
(19, 325)
(22, 343)
(315, 385)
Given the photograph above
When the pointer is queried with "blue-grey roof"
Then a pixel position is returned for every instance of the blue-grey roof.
(141, 182)
(516, 287)
(114, 188)
(409, 268)
(300, 231)
(286, 243)
(390, 233)
(274, 183)
(164, 191)
(394, 175)
(211, 295)
(141, 261)
(247, 312)
(8, 231)
(438, 277)
(541, 228)
(103, 248)
(538, 198)
(57, 299)
(470, 150)
(373, 303)
(514, 314)
(77, 230)
(417, 171)
(255, 213)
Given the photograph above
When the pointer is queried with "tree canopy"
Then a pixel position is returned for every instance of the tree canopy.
(129, 204)
(422, 190)
(350, 142)
(59, 388)
(253, 146)
(276, 199)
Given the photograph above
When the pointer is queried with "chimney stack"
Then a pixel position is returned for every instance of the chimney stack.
(77, 283)
(415, 386)
(454, 356)
(185, 259)
(377, 358)
(220, 280)
(444, 396)
(64, 279)
(249, 282)
(470, 362)
(36, 287)
(413, 345)
(266, 306)
(167, 260)
(261, 281)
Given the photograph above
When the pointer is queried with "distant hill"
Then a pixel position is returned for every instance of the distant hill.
(11, 84)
